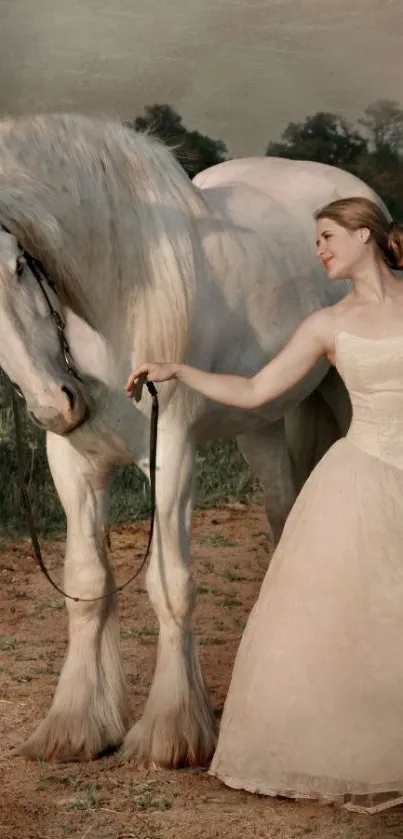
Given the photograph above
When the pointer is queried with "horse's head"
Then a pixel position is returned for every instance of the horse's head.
(33, 349)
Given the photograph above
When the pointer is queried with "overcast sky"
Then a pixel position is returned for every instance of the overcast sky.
(238, 70)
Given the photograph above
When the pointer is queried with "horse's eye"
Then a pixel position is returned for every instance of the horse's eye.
(20, 266)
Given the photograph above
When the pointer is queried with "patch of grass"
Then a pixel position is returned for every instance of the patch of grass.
(88, 799)
(42, 671)
(223, 474)
(217, 540)
(239, 623)
(64, 779)
(211, 642)
(219, 624)
(208, 565)
(231, 602)
(234, 576)
(53, 780)
(141, 632)
(87, 795)
(216, 592)
(147, 800)
(48, 605)
(19, 595)
(7, 643)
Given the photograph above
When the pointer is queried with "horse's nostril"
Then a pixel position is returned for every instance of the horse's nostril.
(70, 396)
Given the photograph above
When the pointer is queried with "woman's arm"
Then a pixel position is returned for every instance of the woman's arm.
(308, 344)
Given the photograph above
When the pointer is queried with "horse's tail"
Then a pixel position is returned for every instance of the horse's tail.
(315, 424)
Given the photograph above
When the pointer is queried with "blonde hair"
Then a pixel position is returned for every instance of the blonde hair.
(355, 213)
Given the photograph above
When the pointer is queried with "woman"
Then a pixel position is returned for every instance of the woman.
(315, 705)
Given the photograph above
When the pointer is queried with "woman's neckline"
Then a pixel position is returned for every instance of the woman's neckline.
(368, 338)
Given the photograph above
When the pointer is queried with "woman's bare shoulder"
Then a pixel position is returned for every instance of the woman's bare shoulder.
(325, 323)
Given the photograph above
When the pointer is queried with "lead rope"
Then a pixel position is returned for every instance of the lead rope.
(27, 504)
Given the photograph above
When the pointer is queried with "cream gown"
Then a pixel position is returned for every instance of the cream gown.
(315, 705)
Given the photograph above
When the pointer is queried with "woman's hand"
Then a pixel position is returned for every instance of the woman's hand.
(155, 372)
(311, 341)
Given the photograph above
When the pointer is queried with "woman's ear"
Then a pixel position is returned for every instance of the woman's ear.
(365, 234)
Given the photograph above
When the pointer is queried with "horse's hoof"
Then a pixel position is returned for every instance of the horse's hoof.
(62, 738)
(170, 741)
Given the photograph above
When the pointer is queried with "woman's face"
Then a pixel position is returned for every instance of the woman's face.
(340, 250)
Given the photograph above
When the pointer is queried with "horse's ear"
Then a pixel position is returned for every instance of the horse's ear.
(41, 238)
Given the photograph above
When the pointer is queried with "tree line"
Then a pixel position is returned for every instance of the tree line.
(372, 150)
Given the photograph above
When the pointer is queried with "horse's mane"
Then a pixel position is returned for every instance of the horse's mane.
(112, 216)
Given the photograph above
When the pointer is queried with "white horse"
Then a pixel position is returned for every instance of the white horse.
(147, 264)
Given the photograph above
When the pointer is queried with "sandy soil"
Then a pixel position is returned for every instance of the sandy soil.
(110, 800)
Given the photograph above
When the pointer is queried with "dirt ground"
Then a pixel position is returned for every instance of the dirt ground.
(106, 799)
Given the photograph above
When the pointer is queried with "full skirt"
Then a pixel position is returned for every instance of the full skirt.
(315, 705)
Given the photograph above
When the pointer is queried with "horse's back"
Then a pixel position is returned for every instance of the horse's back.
(294, 184)
(268, 206)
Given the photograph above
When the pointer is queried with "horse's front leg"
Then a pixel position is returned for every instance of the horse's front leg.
(177, 727)
(89, 711)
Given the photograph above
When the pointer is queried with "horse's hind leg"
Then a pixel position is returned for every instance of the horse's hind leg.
(177, 727)
(335, 395)
(315, 424)
(283, 454)
(266, 451)
(88, 713)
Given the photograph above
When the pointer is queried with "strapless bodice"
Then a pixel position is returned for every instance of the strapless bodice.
(372, 370)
